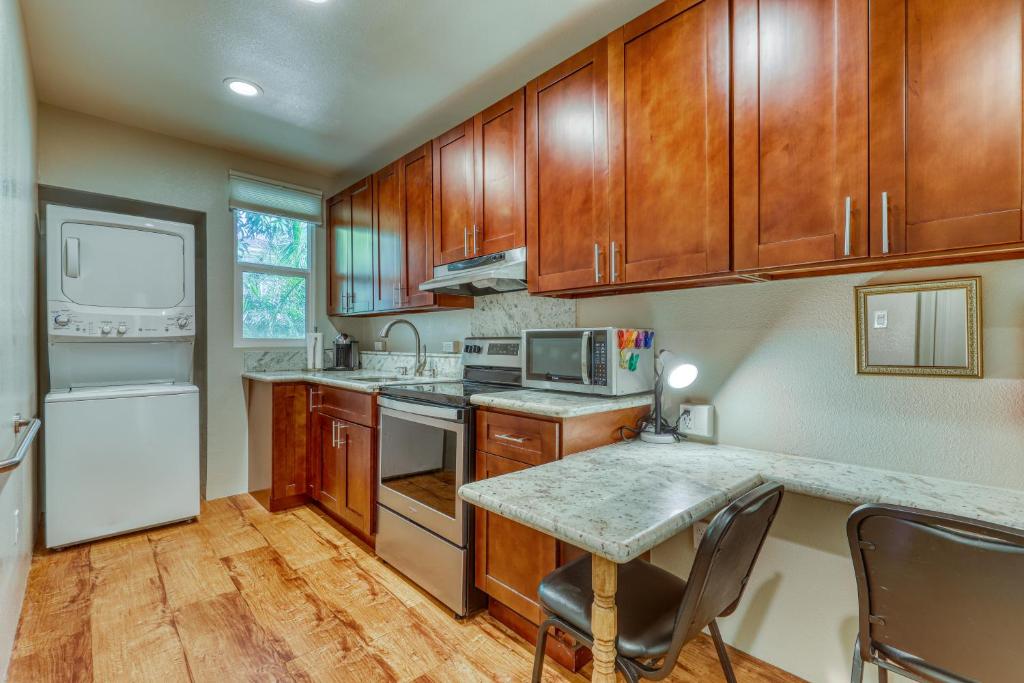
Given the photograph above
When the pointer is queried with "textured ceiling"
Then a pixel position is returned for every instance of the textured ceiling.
(348, 85)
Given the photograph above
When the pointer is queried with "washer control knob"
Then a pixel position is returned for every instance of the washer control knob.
(62, 320)
(122, 328)
(105, 329)
(182, 322)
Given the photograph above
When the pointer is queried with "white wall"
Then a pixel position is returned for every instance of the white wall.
(778, 361)
(17, 314)
(86, 153)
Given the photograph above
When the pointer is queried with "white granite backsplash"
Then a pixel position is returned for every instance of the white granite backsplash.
(275, 359)
(506, 315)
(446, 365)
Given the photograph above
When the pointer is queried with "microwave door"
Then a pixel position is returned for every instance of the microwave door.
(558, 357)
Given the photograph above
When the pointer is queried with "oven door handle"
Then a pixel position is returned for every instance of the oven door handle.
(408, 407)
(585, 357)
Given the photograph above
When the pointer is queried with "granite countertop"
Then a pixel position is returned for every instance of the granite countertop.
(620, 501)
(342, 378)
(557, 403)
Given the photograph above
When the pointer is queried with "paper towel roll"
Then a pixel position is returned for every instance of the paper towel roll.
(315, 351)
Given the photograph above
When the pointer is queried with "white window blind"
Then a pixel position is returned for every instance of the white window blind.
(251, 193)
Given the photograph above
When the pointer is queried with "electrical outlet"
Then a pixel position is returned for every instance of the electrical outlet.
(699, 528)
(697, 420)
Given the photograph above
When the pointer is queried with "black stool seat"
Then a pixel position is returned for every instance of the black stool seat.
(648, 600)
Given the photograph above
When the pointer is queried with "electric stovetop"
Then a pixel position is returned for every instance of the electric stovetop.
(444, 393)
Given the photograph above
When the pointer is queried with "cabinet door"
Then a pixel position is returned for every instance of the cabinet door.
(289, 436)
(361, 271)
(387, 237)
(356, 472)
(567, 173)
(454, 210)
(339, 253)
(669, 72)
(500, 171)
(329, 466)
(511, 558)
(417, 227)
(800, 131)
(946, 124)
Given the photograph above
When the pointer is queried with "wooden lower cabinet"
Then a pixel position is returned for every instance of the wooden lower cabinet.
(511, 559)
(343, 466)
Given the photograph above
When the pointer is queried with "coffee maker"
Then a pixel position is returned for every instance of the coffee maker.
(346, 353)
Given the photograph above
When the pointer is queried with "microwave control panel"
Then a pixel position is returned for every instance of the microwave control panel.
(600, 360)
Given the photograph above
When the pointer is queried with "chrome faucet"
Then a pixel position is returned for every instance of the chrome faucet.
(421, 359)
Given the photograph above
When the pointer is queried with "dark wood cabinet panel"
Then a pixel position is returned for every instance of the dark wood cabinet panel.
(800, 131)
(339, 253)
(344, 472)
(454, 209)
(523, 439)
(567, 184)
(387, 237)
(289, 442)
(500, 177)
(669, 131)
(511, 558)
(416, 181)
(946, 124)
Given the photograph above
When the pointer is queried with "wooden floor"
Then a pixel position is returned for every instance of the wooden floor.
(244, 595)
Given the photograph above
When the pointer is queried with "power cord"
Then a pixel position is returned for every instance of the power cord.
(648, 421)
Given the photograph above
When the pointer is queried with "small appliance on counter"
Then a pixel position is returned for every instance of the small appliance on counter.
(424, 529)
(609, 361)
(346, 353)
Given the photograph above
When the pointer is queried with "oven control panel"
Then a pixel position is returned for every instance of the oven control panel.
(70, 323)
(503, 352)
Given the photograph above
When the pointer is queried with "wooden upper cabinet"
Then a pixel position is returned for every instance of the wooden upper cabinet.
(387, 237)
(946, 124)
(339, 253)
(415, 178)
(454, 210)
(567, 188)
(800, 137)
(360, 298)
(669, 132)
(499, 136)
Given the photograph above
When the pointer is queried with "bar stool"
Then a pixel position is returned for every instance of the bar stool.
(658, 612)
(941, 597)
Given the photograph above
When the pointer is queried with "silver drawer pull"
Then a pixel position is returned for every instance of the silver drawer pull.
(597, 262)
(509, 437)
(846, 233)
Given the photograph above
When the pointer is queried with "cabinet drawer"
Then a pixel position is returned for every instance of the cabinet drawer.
(354, 406)
(522, 439)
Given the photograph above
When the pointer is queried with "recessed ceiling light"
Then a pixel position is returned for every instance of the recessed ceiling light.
(243, 88)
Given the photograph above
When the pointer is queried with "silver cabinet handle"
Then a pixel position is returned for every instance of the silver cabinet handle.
(71, 257)
(509, 437)
(846, 233)
(476, 249)
(612, 267)
(334, 434)
(465, 240)
(597, 262)
(885, 222)
(585, 357)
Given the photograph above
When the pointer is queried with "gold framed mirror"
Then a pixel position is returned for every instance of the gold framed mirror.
(920, 328)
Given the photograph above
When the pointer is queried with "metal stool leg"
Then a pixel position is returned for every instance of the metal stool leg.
(538, 657)
(723, 654)
(857, 671)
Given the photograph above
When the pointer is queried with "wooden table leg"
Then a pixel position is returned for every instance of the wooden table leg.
(604, 618)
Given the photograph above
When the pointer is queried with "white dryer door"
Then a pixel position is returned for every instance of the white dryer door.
(122, 266)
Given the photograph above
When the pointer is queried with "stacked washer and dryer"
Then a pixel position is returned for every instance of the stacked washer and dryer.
(122, 416)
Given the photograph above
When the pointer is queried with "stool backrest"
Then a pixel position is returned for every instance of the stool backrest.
(723, 563)
(940, 596)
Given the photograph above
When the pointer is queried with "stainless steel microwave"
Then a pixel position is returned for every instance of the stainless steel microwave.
(604, 360)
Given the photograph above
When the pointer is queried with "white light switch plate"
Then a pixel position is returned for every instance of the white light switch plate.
(697, 419)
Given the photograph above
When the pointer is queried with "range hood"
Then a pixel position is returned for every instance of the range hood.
(490, 274)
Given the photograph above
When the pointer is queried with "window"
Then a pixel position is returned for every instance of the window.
(273, 268)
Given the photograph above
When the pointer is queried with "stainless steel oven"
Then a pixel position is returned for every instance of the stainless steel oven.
(610, 361)
(423, 462)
